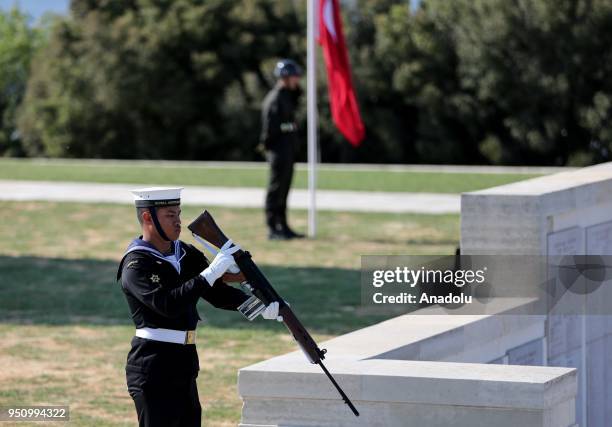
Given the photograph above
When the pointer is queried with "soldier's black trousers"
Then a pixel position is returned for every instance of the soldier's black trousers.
(171, 403)
(281, 173)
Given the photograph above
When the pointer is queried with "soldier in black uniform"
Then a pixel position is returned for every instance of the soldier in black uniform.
(162, 279)
(280, 139)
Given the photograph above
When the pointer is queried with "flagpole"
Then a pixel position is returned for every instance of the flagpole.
(311, 70)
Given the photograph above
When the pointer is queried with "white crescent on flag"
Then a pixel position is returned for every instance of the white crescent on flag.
(328, 18)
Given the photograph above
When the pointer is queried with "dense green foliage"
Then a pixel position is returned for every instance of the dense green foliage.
(494, 81)
(155, 79)
(462, 81)
(18, 42)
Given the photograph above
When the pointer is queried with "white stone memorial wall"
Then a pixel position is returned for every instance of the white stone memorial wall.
(563, 214)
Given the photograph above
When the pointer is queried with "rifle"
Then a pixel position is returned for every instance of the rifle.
(205, 227)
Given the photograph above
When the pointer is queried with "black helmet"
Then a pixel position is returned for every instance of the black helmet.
(287, 68)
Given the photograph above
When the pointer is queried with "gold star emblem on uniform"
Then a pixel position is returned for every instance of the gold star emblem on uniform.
(154, 278)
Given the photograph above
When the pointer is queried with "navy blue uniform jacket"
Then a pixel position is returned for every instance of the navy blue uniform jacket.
(162, 292)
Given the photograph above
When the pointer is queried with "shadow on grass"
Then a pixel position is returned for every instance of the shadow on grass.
(67, 291)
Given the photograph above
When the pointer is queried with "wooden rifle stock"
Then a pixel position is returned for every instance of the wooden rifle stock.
(205, 227)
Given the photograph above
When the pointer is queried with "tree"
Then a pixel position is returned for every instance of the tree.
(462, 81)
(155, 79)
(474, 81)
(18, 43)
(533, 76)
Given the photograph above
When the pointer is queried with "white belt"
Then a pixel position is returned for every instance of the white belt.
(167, 335)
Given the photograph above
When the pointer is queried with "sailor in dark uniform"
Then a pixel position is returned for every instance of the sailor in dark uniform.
(162, 279)
(279, 136)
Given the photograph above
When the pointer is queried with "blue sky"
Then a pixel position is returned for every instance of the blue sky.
(36, 8)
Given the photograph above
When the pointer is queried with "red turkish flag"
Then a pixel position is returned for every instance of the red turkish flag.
(343, 104)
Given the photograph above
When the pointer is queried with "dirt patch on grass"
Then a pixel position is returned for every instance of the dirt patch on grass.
(68, 370)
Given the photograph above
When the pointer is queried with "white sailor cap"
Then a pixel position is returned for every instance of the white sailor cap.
(157, 196)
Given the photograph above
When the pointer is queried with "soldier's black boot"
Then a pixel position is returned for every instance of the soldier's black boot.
(287, 231)
(277, 235)
(275, 230)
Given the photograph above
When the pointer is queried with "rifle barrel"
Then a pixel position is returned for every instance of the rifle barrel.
(344, 396)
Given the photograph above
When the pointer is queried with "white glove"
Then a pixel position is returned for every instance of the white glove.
(220, 264)
(234, 269)
(271, 312)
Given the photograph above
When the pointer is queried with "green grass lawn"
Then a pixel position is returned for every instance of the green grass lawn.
(64, 324)
(189, 174)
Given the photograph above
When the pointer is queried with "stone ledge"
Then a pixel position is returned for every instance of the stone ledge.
(444, 383)
(599, 175)
(304, 414)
